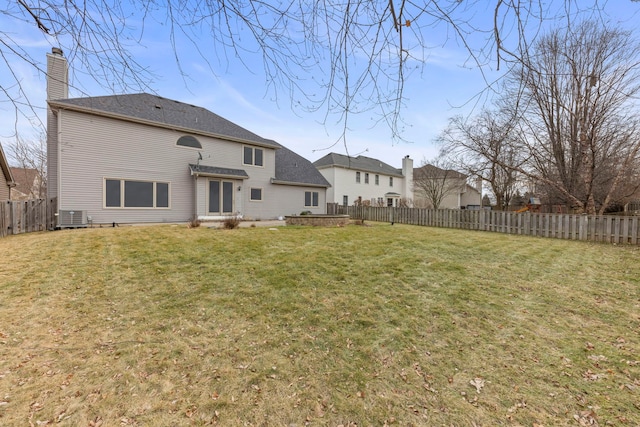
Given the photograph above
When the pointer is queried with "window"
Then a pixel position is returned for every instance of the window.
(120, 193)
(377, 179)
(358, 177)
(189, 141)
(345, 200)
(390, 181)
(253, 156)
(366, 178)
(310, 198)
(256, 194)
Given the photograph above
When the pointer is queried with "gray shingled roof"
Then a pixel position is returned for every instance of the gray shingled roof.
(360, 163)
(436, 172)
(167, 112)
(295, 169)
(290, 167)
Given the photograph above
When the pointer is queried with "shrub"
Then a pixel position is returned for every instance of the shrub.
(305, 213)
(194, 222)
(231, 222)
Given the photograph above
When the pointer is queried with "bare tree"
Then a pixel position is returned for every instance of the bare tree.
(358, 53)
(434, 180)
(484, 147)
(577, 93)
(30, 157)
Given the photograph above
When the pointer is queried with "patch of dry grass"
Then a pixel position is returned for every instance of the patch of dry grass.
(381, 325)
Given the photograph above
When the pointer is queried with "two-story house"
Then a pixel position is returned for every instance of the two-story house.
(142, 158)
(361, 179)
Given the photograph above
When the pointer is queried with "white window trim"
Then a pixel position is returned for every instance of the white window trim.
(261, 199)
(311, 205)
(253, 156)
(190, 148)
(122, 206)
(207, 198)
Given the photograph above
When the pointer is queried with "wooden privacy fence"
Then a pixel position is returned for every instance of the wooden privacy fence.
(595, 228)
(25, 216)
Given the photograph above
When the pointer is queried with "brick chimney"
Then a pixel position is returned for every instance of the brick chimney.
(57, 88)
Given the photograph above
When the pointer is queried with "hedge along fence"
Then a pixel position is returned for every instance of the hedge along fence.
(595, 228)
(25, 216)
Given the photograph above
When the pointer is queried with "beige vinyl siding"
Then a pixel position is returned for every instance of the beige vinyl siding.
(93, 148)
(4, 187)
(283, 200)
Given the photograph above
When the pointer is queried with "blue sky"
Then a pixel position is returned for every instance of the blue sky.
(447, 85)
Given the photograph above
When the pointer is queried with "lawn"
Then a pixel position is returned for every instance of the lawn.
(354, 326)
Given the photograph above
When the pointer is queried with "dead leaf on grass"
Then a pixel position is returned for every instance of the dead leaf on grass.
(592, 376)
(478, 383)
(586, 419)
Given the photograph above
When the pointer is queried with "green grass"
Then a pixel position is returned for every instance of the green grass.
(381, 325)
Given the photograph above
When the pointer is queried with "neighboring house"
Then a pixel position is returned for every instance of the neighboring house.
(6, 177)
(457, 193)
(365, 180)
(142, 158)
(29, 184)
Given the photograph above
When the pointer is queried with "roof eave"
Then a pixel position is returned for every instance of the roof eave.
(97, 112)
(299, 184)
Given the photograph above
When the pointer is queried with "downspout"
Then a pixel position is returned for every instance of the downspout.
(195, 196)
(59, 148)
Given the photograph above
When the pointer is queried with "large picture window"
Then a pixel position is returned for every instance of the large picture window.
(122, 193)
(253, 156)
(310, 198)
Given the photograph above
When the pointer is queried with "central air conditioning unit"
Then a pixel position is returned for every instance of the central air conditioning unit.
(72, 219)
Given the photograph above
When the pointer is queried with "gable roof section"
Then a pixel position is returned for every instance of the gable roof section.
(158, 111)
(360, 163)
(436, 172)
(291, 168)
(25, 179)
(6, 170)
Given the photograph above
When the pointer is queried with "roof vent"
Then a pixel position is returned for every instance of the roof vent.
(158, 106)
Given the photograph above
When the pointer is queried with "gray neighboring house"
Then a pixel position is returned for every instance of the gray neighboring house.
(366, 180)
(6, 178)
(141, 158)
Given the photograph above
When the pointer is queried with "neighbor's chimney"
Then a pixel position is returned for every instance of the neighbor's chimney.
(57, 88)
(407, 172)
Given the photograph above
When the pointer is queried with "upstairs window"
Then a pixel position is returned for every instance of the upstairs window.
(189, 141)
(366, 178)
(358, 177)
(390, 181)
(377, 179)
(253, 156)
